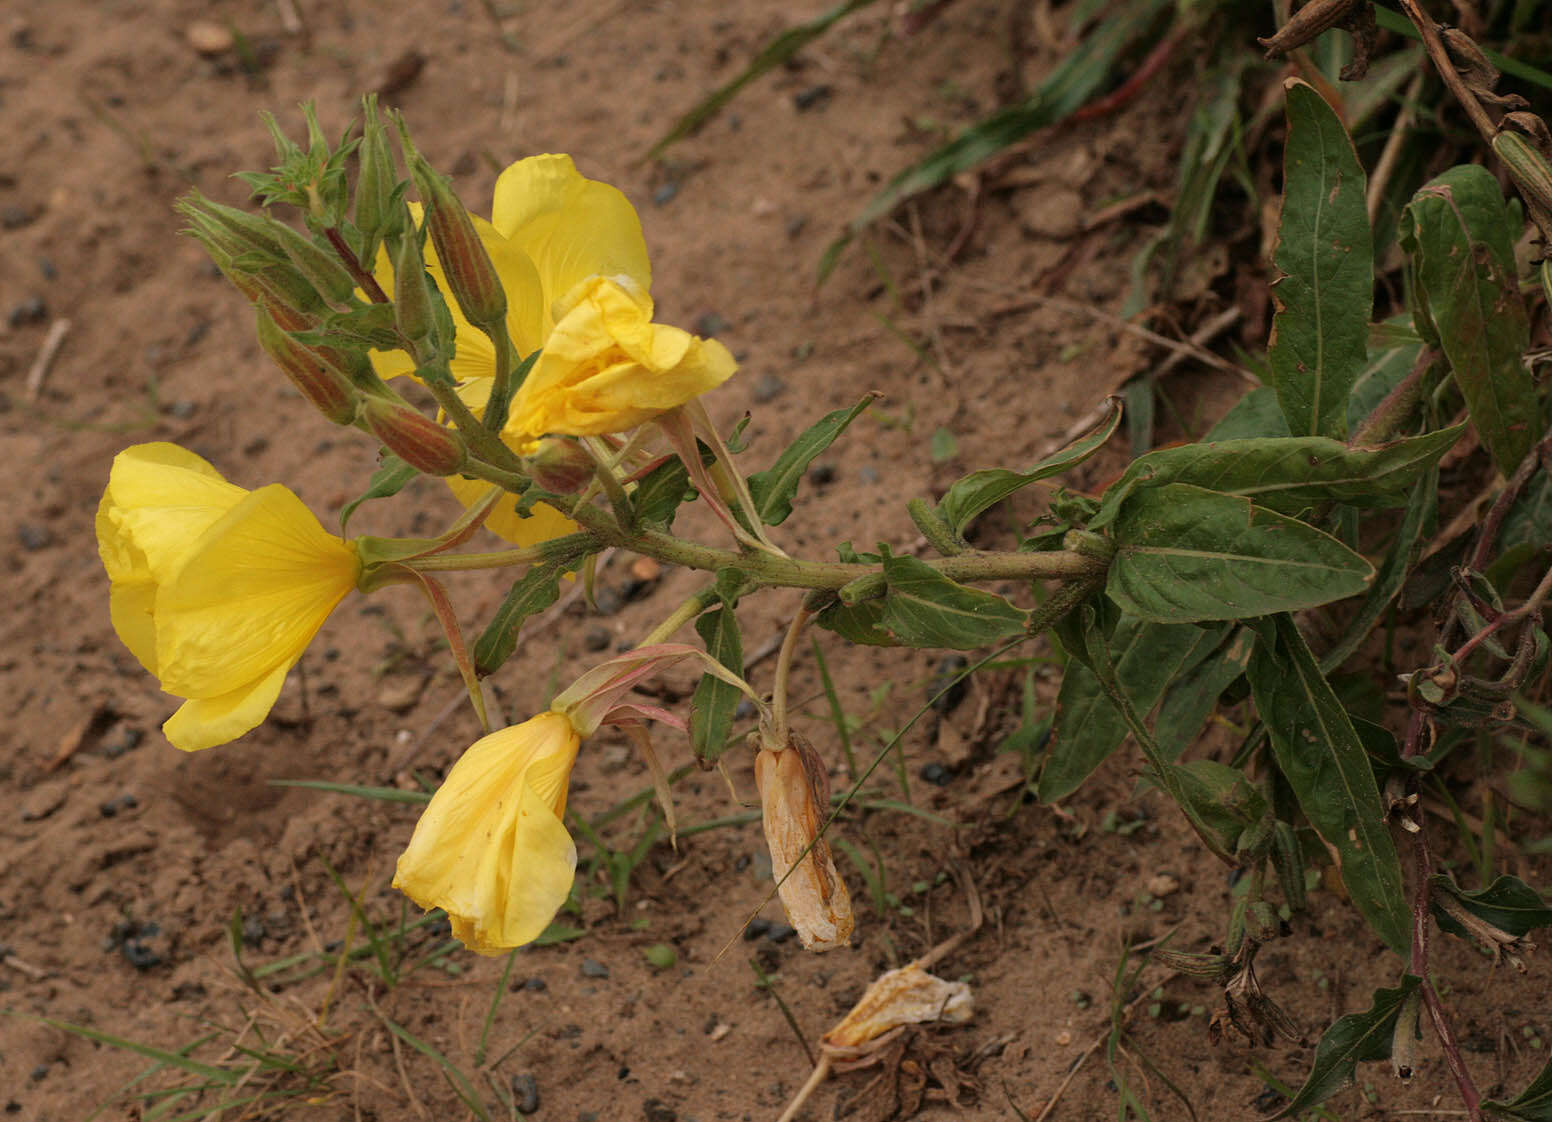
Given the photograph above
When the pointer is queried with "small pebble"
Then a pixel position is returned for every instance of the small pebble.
(30, 310)
(711, 324)
(14, 217)
(665, 194)
(936, 774)
(182, 410)
(949, 683)
(129, 741)
(812, 98)
(768, 387)
(536, 985)
(720, 1030)
(781, 932)
(796, 225)
(253, 931)
(868, 474)
(592, 968)
(400, 693)
(112, 806)
(208, 37)
(40, 1073)
(34, 538)
(1163, 884)
(526, 1090)
(820, 474)
(608, 600)
(758, 926)
(656, 1110)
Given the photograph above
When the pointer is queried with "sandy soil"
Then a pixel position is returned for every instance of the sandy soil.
(124, 862)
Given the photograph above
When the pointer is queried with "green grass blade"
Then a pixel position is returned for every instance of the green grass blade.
(215, 1074)
(455, 1078)
(382, 794)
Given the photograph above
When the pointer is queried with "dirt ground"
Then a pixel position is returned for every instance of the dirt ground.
(123, 862)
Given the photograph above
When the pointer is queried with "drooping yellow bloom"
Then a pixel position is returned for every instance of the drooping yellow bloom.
(215, 589)
(491, 849)
(571, 255)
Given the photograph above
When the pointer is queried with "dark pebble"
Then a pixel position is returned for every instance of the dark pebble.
(868, 474)
(255, 446)
(820, 474)
(188, 991)
(129, 741)
(139, 954)
(40, 1073)
(30, 310)
(47, 268)
(592, 968)
(14, 217)
(665, 194)
(441, 929)
(608, 601)
(34, 538)
(182, 410)
(758, 926)
(13, 1107)
(526, 1088)
(796, 225)
(112, 806)
(811, 98)
(936, 774)
(253, 931)
(596, 638)
(781, 932)
(768, 387)
(711, 324)
(656, 1110)
(536, 985)
(638, 589)
(948, 681)
(741, 864)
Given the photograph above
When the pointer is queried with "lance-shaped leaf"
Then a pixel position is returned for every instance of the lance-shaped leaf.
(862, 622)
(716, 701)
(1287, 474)
(1353, 1039)
(1461, 236)
(773, 489)
(979, 490)
(389, 479)
(1323, 759)
(657, 496)
(1325, 255)
(1185, 554)
(1146, 657)
(1509, 904)
(1193, 693)
(1534, 1104)
(923, 608)
(534, 591)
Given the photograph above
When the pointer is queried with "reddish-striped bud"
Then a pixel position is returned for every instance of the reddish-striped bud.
(414, 437)
(560, 466)
(311, 370)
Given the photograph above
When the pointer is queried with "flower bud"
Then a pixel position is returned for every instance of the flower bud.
(794, 794)
(312, 370)
(414, 437)
(412, 308)
(235, 231)
(322, 268)
(465, 261)
(1531, 171)
(561, 467)
(375, 181)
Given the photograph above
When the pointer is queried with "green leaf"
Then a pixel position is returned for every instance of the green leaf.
(390, 478)
(1325, 255)
(1323, 759)
(534, 591)
(1355, 1038)
(658, 495)
(773, 490)
(1185, 554)
(1194, 693)
(858, 623)
(923, 608)
(1255, 414)
(974, 493)
(1534, 1104)
(1461, 236)
(1081, 74)
(715, 701)
(773, 54)
(1221, 799)
(1146, 657)
(1382, 373)
(1509, 904)
(1288, 474)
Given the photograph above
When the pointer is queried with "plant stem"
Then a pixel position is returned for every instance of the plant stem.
(1392, 410)
(366, 280)
(485, 444)
(683, 614)
(783, 670)
(500, 401)
(1441, 62)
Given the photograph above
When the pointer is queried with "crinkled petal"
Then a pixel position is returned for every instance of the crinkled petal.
(208, 721)
(131, 605)
(158, 501)
(571, 227)
(491, 848)
(249, 596)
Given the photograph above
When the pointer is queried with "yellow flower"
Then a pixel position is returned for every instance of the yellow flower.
(491, 849)
(571, 255)
(215, 589)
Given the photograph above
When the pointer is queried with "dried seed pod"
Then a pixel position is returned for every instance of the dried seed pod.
(1309, 21)
(794, 794)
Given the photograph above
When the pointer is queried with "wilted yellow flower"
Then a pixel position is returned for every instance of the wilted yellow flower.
(906, 996)
(215, 589)
(571, 255)
(794, 794)
(491, 849)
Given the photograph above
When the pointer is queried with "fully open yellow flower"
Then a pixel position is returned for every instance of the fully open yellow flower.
(491, 848)
(215, 589)
(571, 255)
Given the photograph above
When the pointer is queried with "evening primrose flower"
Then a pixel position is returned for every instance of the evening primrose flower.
(571, 256)
(491, 849)
(215, 589)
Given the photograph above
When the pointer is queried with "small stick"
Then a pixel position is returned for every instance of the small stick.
(40, 365)
(26, 968)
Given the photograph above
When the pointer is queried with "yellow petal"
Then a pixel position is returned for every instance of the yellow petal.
(206, 722)
(249, 596)
(131, 606)
(491, 848)
(607, 367)
(158, 501)
(570, 227)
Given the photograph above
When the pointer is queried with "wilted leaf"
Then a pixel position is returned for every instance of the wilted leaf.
(1324, 252)
(1355, 1038)
(1185, 554)
(1509, 904)
(1324, 762)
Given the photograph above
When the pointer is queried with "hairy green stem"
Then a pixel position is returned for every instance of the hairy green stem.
(482, 441)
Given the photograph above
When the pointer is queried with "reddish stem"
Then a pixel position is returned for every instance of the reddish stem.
(365, 279)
